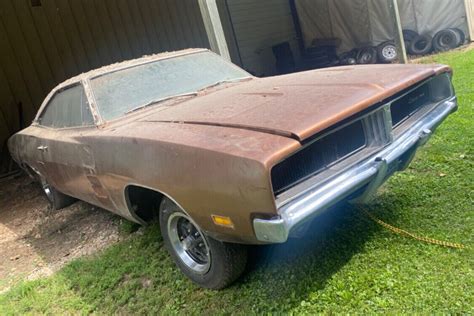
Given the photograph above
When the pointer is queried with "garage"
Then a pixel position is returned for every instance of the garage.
(341, 26)
(44, 42)
(257, 27)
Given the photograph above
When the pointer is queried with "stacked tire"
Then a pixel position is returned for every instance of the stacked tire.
(385, 53)
(448, 39)
(424, 44)
(420, 45)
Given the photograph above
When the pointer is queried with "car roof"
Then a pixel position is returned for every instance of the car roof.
(126, 64)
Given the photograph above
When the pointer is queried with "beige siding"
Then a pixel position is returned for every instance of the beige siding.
(42, 46)
(258, 25)
(469, 4)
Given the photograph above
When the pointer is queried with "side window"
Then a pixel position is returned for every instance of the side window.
(67, 108)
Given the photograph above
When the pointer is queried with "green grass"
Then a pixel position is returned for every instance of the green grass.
(347, 264)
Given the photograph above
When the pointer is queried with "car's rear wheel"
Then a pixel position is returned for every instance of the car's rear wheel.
(56, 199)
(208, 262)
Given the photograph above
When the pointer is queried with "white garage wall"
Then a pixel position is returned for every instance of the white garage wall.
(259, 25)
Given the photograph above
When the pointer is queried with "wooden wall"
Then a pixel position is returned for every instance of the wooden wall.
(469, 5)
(42, 45)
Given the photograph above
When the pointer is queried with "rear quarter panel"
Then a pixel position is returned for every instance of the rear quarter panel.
(23, 148)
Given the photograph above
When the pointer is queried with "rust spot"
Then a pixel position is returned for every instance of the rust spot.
(99, 190)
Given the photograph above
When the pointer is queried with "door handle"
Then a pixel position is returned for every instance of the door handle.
(42, 148)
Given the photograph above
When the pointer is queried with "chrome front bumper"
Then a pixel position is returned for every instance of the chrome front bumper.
(369, 174)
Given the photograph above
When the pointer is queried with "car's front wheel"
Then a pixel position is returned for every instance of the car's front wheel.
(208, 262)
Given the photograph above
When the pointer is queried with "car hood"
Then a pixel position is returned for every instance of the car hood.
(296, 105)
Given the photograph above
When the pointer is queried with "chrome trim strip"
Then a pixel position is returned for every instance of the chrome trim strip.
(372, 172)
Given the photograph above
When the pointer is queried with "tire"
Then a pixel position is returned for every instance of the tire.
(409, 35)
(367, 55)
(348, 61)
(407, 45)
(446, 40)
(461, 34)
(348, 58)
(387, 52)
(207, 262)
(421, 45)
(56, 199)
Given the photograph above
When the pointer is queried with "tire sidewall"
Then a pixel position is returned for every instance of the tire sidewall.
(417, 51)
(213, 278)
(442, 47)
(56, 199)
(461, 34)
(364, 52)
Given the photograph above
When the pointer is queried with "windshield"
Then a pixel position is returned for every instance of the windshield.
(123, 91)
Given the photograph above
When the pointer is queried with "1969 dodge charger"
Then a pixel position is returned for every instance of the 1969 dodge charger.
(223, 159)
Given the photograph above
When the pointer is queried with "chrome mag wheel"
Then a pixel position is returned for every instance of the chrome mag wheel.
(189, 243)
(47, 189)
(389, 52)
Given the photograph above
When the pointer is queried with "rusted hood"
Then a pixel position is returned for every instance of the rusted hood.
(297, 105)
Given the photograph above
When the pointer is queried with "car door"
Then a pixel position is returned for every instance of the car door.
(66, 123)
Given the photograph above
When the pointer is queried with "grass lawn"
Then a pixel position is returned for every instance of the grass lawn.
(347, 264)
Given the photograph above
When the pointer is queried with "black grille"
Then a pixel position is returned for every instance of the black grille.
(318, 156)
(407, 105)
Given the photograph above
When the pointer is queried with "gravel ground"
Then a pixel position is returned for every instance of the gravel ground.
(35, 241)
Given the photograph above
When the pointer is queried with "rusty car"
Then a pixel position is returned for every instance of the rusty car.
(223, 159)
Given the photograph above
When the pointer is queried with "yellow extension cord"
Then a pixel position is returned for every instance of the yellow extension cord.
(405, 233)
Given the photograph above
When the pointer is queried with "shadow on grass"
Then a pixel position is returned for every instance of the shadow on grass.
(305, 264)
(138, 275)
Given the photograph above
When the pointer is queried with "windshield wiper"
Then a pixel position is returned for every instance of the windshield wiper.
(162, 100)
(195, 93)
(218, 83)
